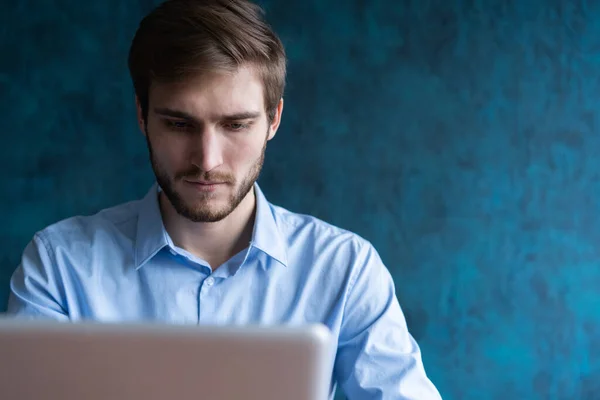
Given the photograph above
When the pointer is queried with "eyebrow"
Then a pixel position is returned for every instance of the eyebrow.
(167, 112)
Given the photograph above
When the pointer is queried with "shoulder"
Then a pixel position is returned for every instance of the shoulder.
(83, 230)
(76, 243)
(325, 240)
(297, 222)
(336, 261)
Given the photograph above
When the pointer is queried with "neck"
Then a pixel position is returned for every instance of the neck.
(214, 242)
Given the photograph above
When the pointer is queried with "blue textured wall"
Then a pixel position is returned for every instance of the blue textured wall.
(460, 137)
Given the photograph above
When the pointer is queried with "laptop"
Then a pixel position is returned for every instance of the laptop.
(93, 361)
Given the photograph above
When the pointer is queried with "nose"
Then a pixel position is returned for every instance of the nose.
(209, 152)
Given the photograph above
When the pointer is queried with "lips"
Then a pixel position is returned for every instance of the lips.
(206, 183)
(203, 182)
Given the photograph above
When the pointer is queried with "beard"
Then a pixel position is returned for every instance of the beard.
(200, 209)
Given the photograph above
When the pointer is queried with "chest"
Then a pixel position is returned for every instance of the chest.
(257, 293)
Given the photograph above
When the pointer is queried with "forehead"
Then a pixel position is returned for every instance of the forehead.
(212, 94)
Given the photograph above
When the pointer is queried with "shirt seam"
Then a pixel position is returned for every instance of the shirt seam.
(42, 236)
(353, 279)
(124, 221)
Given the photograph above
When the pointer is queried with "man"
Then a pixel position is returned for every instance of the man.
(204, 246)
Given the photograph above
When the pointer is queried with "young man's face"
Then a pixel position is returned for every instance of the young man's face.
(207, 140)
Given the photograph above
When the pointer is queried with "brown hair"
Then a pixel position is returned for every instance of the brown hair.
(183, 38)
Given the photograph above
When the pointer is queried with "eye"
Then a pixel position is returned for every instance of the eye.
(237, 126)
(177, 125)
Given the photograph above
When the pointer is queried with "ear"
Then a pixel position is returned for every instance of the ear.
(276, 120)
(140, 117)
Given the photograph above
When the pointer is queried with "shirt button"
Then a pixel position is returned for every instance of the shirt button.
(172, 252)
(210, 281)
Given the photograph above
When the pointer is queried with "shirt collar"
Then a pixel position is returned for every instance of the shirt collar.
(151, 236)
(266, 235)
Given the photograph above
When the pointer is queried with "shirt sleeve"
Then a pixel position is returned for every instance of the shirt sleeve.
(377, 358)
(35, 286)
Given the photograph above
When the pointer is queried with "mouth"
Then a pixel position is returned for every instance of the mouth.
(205, 186)
(204, 182)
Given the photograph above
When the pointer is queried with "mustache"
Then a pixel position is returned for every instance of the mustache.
(195, 173)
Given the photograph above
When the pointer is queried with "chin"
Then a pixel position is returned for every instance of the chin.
(208, 203)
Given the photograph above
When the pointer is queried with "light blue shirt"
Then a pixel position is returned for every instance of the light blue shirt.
(120, 265)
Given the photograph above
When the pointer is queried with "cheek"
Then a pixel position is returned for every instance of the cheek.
(172, 154)
(244, 154)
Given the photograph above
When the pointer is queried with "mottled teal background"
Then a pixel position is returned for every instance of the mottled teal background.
(460, 137)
